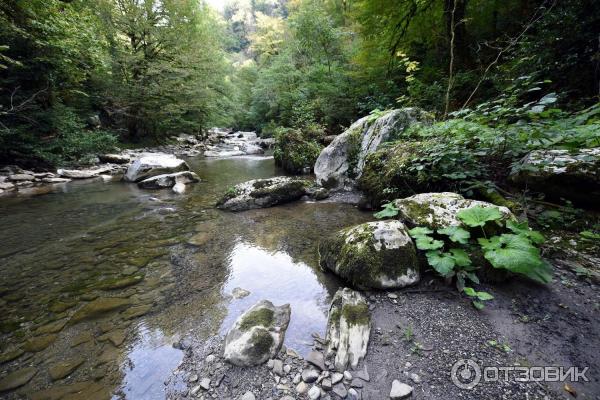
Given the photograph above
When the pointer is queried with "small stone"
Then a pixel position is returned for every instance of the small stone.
(340, 390)
(316, 358)
(336, 378)
(270, 364)
(357, 383)
(309, 375)
(314, 393)
(363, 374)
(326, 384)
(193, 378)
(415, 378)
(287, 368)
(408, 365)
(195, 390)
(297, 379)
(239, 293)
(291, 353)
(39, 343)
(353, 394)
(302, 388)
(17, 379)
(205, 383)
(400, 390)
(248, 396)
(210, 358)
(278, 367)
(347, 375)
(392, 295)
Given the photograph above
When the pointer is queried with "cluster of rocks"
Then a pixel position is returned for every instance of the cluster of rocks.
(227, 143)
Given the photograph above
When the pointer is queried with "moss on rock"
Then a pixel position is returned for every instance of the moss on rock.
(260, 316)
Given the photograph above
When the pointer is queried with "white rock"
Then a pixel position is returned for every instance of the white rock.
(314, 393)
(301, 388)
(400, 390)
(154, 164)
(261, 193)
(248, 396)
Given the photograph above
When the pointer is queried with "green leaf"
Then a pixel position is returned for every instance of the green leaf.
(484, 296)
(443, 263)
(419, 231)
(460, 257)
(515, 253)
(478, 216)
(389, 210)
(428, 243)
(589, 235)
(524, 230)
(456, 234)
(469, 291)
(472, 277)
(478, 305)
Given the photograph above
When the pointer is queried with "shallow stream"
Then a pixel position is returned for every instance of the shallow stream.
(99, 280)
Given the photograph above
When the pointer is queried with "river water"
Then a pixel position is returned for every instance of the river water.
(99, 280)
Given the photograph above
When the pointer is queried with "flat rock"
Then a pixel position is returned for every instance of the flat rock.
(400, 390)
(64, 368)
(39, 343)
(165, 181)
(17, 379)
(310, 375)
(340, 390)
(314, 393)
(82, 173)
(239, 293)
(99, 307)
(114, 158)
(302, 388)
(257, 335)
(21, 177)
(262, 193)
(316, 358)
(378, 255)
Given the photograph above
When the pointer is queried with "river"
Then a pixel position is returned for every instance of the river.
(100, 279)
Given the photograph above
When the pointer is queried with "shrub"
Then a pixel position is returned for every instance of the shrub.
(296, 150)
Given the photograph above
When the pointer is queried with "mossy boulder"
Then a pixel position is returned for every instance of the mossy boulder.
(348, 328)
(257, 335)
(561, 174)
(262, 193)
(295, 152)
(343, 160)
(440, 210)
(378, 255)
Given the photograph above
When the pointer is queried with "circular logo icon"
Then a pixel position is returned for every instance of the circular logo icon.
(465, 374)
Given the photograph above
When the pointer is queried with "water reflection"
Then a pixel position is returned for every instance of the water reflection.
(274, 276)
(150, 360)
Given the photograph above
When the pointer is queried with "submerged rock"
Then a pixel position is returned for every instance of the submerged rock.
(64, 368)
(377, 255)
(560, 173)
(151, 165)
(17, 379)
(257, 335)
(342, 161)
(348, 328)
(169, 180)
(99, 307)
(39, 343)
(439, 210)
(262, 193)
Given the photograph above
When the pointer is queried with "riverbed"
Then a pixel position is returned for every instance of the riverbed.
(102, 281)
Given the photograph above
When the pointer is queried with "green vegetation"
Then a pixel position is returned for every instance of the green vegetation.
(263, 317)
(297, 150)
(357, 314)
(449, 251)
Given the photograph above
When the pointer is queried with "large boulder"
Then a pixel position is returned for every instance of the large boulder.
(348, 328)
(439, 210)
(561, 173)
(340, 163)
(261, 193)
(169, 180)
(378, 255)
(154, 164)
(257, 335)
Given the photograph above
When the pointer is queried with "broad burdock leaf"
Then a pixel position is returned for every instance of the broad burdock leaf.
(524, 230)
(428, 243)
(517, 254)
(443, 263)
(456, 234)
(389, 210)
(419, 231)
(460, 257)
(478, 216)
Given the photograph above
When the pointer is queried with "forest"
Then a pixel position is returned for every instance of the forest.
(79, 77)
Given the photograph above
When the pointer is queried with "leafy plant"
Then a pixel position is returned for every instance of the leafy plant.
(479, 216)
(477, 297)
(389, 211)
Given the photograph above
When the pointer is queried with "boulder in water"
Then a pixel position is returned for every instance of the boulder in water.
(257, 335)
(83, 173)
(262, 193)
(114, 158)
(150, 165)
(378, 255)
(439, 210)
(561, 173)
(342, 161)
(348, 328)
(169, 180)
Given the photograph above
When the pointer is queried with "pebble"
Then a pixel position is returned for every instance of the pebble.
(278, 367)
(248, 396)
(336, 377)
(210, 358)
(205, 383)
(302, 388)
(309, 375)
(194, 390)
(392, 295)
(347, 375)
(297, 379)
(326, 384)
(415, 378)
(353, 394)
(287, 368)
(314, 393)
(340, 390)
(400, 390)
(357, 383)
(316, 358)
